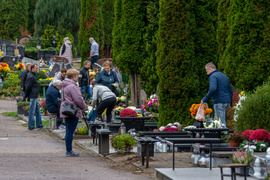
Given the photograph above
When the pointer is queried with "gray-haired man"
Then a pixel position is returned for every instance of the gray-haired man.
(94, 51)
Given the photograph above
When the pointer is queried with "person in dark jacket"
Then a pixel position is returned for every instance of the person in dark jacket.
(52, 97)
(24, 75)
(31, 92)
(220, 90)
(84, 80)
(71, 94)
(107, 77)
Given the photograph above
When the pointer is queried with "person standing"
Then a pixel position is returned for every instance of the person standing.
(66, 50)
(31, 92)
(107, 77)
(119, 75)
(220, 90)
(52, 97)
(94, 54)
(59, 76)
(24, 75)
(84, 80)
(108, 100)
(71, 94)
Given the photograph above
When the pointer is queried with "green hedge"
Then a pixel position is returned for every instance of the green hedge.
(31, 52)
(254, 112)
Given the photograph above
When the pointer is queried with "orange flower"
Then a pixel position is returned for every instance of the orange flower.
(194, 108)
(5, 68)
(4, 64)
(1, 67)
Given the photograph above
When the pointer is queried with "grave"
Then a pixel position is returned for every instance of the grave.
(46, 55)
(60, 62)
(29, 60)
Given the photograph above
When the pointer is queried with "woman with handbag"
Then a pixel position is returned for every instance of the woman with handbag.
(71, 107)
(108, 78)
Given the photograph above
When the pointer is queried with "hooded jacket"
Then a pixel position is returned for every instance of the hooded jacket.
(72, 95)
(106, 79)
(31, 86)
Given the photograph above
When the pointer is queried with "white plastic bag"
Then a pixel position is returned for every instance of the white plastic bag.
(200, 113)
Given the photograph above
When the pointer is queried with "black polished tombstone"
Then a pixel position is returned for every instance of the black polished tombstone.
(46, 55)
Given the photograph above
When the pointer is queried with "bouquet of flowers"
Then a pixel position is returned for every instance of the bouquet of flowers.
(194, 108)
(43, 107)
(4, 68)
(260, 135)
(118, 110)
(243, 157)
(151, 105)
(247, 134)
(20, 66)
(128, 113)
(257, 146)
(171, 127)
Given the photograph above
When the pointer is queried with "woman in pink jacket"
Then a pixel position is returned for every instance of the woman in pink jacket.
(71, 94)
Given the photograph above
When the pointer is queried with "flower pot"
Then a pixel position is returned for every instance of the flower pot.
(241, 171)
(46, 113)
(234, 144)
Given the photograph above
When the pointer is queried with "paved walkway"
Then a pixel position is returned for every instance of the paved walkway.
(30, 155)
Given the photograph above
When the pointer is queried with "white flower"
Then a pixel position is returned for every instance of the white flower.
(161, 128)
(253, 147)
(245, 146)
(174, 127)
(263, 145)
(170, 124)
(268, 150)
(177, 124)
(132, 107)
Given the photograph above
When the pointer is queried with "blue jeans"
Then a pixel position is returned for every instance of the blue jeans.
(93, 60)
(71, 124)
(34, 111)
(220, 111)
(86, 89)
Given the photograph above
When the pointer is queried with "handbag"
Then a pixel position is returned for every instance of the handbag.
(200, 113)
(69, 109)
(92, 115)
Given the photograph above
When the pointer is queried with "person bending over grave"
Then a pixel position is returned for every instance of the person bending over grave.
(61, 75)
(24, 75)
(31, 92)
(52, 98)
(66, 50)
(84, 80)
(108, 100)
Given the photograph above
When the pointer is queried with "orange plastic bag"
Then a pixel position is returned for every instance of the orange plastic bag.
(200, 113)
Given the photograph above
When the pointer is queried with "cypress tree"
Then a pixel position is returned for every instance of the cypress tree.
(116, 34)
(31, 20)
(108, 21)
(247, 53)
(100, 28)
(149, 70)
(13, 15)
(88, 27)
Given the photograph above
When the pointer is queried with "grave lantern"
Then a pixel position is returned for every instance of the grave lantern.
(53, 41)
(194, 158)
(202, 159)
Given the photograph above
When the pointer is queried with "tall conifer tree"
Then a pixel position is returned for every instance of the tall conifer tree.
(108, 21)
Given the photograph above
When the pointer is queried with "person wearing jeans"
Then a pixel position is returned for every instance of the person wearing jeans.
(108, 100)
(94, 54)
(71, 94)
(220, 90)
(84, 80)
(31, 92)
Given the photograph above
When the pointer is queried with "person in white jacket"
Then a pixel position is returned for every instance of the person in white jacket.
(66, 50)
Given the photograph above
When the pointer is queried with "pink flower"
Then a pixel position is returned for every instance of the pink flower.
(157, 105)
(150, 115)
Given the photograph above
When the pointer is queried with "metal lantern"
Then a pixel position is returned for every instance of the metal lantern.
(194, 158)
(202, 159)
(267, 159)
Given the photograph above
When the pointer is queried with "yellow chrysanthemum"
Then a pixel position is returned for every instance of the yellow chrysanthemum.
(2, 54)
(5, 68)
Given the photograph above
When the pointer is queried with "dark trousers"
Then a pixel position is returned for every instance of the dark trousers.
(109, 104)
(93, 60)
(71, 124)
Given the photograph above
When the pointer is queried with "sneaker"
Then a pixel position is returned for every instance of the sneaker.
(40, 127)
(32, 129)
(72, 154)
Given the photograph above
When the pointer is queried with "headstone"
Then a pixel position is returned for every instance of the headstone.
(9, 50)
(28, 60)
(46, 55)
(60, 63)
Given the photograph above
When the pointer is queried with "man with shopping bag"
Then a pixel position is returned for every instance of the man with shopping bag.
(220, 90)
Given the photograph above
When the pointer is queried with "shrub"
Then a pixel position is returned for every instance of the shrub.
(236, 137)
(123, 143)
(82, 130)
(260, 135)
(128, 113)
(254, 111)
(11, 85)
(247, 134)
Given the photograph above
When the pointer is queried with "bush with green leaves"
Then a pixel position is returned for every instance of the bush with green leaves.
(31, 52)
(11, 85)
(123, 143)
(254, 112)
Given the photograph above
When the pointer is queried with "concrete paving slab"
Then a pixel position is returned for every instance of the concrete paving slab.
(193, 174)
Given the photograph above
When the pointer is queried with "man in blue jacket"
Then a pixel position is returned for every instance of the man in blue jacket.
(220, 90)
(52, 97)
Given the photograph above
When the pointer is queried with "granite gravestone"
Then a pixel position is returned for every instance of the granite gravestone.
(46, 55)
(59, 63)
(28, 60)
(9, 50)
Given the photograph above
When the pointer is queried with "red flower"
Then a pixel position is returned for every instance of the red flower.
(247, 134)
(128, 113)
(21, 65)
(260, 135)
(171, 129)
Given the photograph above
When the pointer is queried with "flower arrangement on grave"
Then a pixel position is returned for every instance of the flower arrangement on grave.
(118, 110)
(20, 66)
(4, 69)
(242, 157)
(151, 105)
(194, 108)
(171, 127)
(43, 107)
(247, 134)
(235, 137)
(214, 124)
(128, 113)
(260, 135)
